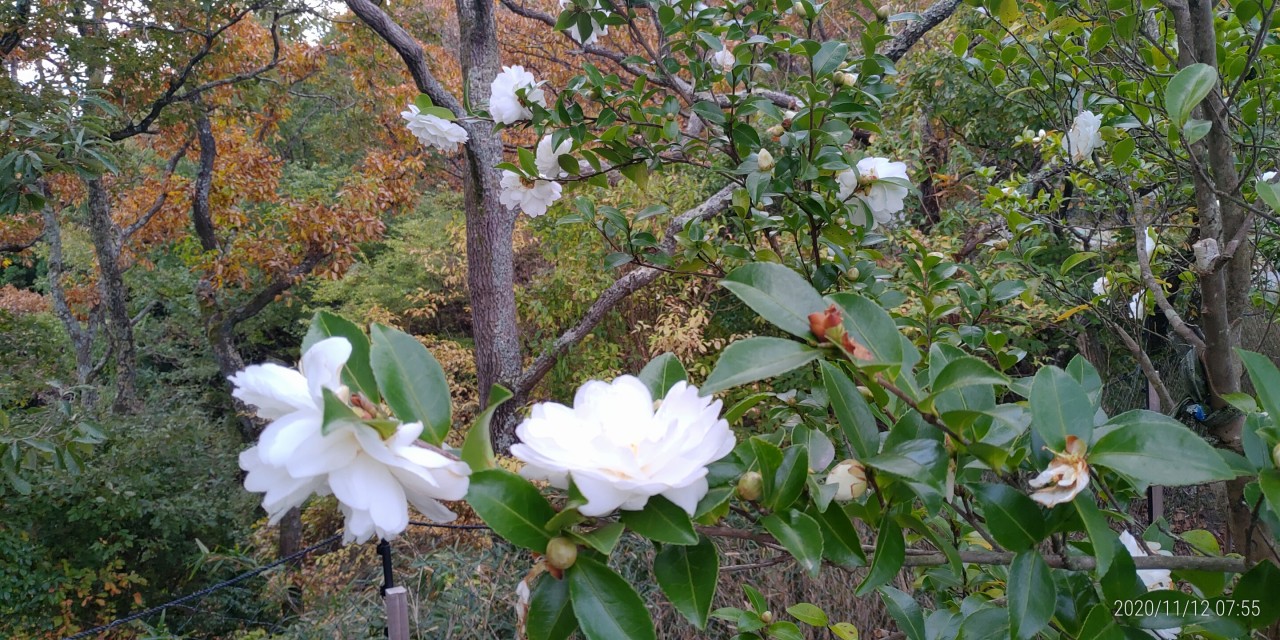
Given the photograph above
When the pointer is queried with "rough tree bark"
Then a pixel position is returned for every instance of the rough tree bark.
(82, 334)
(115, 296)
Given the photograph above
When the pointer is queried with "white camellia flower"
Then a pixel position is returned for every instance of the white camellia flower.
(621, 448)
(374, 480)
(1268, 176)
(882, 198)
(548, 160)
(1084, 136)
(530, 196)
(1066, 475)
(1154, 579)
(597, 29)
(724, 60)
(850, 478)
(764, 161)
(434, 131)
(505, 104)
(1100, 286)
(1149, 235)
(1138, 305)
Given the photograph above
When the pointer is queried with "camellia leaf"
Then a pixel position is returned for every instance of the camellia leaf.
(905, 611)
(1265, 377)
(477, 449)
(1191, 85)
(829, 57)
(607, 607)
(334, 410)
(512, 507)
(809, 614)
(356, 373)
(967, 371)
(840, 542)
(412, 381)
(1031, 595)
(663, 521)
(755, 359)
(1153, 448)
(550, 612)
(1014, 519)
(788, 482)
(688, 576)
(1104, 540)
(1060, 408)
(871, 326)
(778, 294)
(661, 373)
(891, 550)
(852, 411)
(799, 535)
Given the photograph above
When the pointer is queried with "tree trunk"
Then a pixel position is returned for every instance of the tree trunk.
(81, 334)
(115, 296)
(490, 257)
(1224, 284)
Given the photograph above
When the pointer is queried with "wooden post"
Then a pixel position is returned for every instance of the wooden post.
(397, 601)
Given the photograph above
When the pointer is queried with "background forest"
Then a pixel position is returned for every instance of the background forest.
(186, 184)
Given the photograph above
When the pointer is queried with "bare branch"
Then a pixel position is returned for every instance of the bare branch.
(1149, 280)
(272, 291)
(410, 51)
(16, 246)
(619, 290)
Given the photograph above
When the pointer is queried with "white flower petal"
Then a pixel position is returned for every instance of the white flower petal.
(273, 389)
(322, 365)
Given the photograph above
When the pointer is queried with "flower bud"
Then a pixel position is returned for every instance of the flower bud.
(751, 486)
(561, 553)
(776, 131)
(1275, 456)
(846, 79)
(766, 617)
(853, 273)
(799, 9)
(866, 393)
(764, 161)
(850, 478)
(823, 321)
(884, 12)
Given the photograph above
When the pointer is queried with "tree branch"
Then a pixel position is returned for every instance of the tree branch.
(930, 18)
(620, 289)
(278, 286)
(145, 218)
(172, 95)
(410, 51)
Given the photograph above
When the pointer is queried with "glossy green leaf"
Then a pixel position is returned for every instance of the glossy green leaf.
(965, 372)
(411, 381)
(1266, 379)
(663, 521)
(661, 374)
(550, 611)
(1104, 540)
(778, 294)
(1059, 408)
(512, 507)
(477, 448)
(799, 535)
(1156, 449)
(1187, 89)
(356, 373)
(891, 549)
(1031, 595)
(755, 359)
(852, 411)
(688, 576)
(788, 481)
(607, 607)
(809, 614)
(840, 542)
(905, 611)
(1013, 519)
(334, 411)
